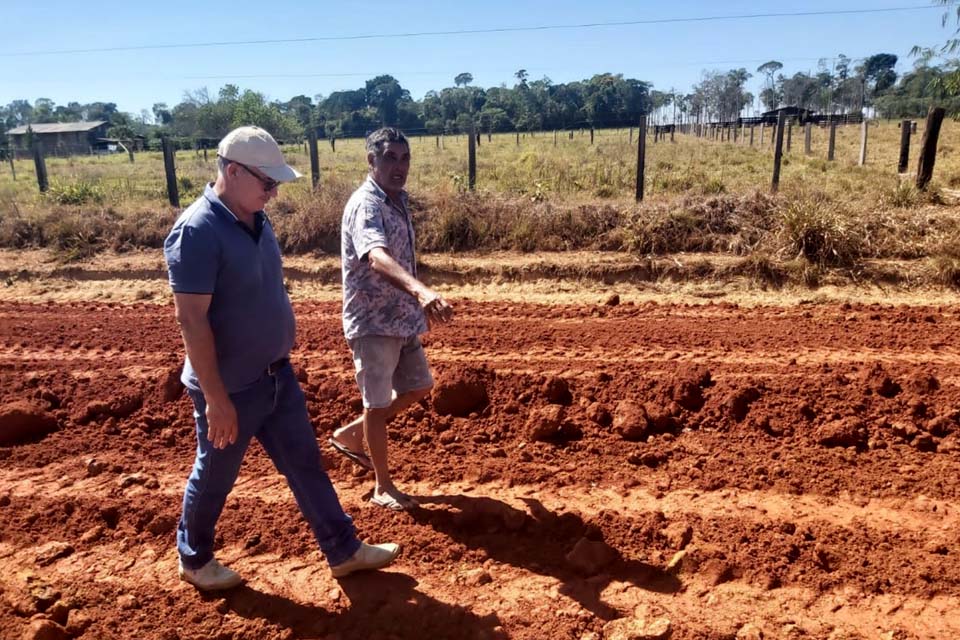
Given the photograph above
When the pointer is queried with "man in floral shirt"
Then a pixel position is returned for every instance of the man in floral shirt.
(385, 309)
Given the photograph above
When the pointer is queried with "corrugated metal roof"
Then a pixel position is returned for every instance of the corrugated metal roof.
(57, 127)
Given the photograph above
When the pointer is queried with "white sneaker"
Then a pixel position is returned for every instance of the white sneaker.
(212, 576)
(368, 556)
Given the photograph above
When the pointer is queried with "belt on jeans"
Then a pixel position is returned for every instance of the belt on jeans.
(274, 367)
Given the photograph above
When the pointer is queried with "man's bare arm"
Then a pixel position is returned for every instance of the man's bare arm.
(436, 308)
(191, 310)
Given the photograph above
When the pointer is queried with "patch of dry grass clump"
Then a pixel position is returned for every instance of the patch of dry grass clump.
(461, 221)
(80, 232)
(819, 228)
(309, 221)
(725, 223)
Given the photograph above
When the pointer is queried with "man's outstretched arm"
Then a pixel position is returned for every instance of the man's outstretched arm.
(436, 308)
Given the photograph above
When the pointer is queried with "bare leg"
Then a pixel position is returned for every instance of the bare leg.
(351, 435)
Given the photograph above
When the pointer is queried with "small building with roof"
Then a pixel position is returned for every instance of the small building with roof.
(60, 138)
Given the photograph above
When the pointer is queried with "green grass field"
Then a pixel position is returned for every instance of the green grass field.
(701, 195)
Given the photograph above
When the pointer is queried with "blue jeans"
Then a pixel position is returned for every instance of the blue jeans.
(274, 411)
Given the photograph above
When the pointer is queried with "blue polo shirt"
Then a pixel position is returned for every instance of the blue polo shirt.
(209, 251)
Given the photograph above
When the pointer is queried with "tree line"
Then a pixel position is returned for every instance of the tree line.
(605, 100)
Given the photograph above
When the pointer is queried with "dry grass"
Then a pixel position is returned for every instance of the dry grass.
(702, 196)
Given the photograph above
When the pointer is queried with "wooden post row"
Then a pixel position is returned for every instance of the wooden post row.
(169, 168)
(863, 142)
(641, 152)
(832, 142)
(778, 152)
(41, 166)
(928, 146)
(314, 157)
(904, 146)
(472, 156)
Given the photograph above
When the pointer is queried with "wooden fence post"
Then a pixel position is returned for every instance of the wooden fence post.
(591, 135)
(672, 127)
(928, 146)
(807, 136)
(438, 142)
(631, 135)
(314, 157)
(832, 143)
(169, 168)
(518, 138)
(751, 135)
(641, 153)
(904, 146)
(472, 156)
(778, 151)
(489, 137)
(863, 142)
(41, 166)
(554, 137)
(789, 135)
(13, 169)
(761, 133)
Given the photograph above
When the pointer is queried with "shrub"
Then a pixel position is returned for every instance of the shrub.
(903, 196)
(947, 270)
(79, 192)
(820, 230)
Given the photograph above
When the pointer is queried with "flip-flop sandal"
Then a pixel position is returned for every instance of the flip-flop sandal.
(355, 456)
(389, 502)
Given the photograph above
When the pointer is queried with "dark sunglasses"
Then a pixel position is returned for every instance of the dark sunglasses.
(269, 184)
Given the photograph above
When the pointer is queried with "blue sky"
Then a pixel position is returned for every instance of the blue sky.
(670, 55)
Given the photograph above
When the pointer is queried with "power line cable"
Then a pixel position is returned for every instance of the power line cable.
(370, 74)
(458, 32)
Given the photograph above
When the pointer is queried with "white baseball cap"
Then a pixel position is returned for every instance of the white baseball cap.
(255, 147)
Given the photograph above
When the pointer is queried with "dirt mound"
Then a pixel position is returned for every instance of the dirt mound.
(461, 391)
(22, 421)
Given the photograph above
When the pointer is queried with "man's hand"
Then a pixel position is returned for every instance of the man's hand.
(221, 423)
(437, 310)
(434, 306)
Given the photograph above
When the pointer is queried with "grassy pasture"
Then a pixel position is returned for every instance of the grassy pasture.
(701, 195)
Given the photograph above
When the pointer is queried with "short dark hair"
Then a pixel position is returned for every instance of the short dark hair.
(380, 137)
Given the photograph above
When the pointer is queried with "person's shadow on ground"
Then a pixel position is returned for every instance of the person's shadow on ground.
(382, 604)
(539, 541)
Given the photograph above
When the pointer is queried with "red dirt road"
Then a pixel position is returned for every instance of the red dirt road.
(683, 471)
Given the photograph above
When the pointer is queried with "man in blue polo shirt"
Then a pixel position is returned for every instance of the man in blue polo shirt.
(238, 328)
(385, 309)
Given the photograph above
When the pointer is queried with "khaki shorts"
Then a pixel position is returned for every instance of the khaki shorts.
(388, 367)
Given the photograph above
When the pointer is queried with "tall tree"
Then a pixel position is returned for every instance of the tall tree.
(769, 95)
(384, 94)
